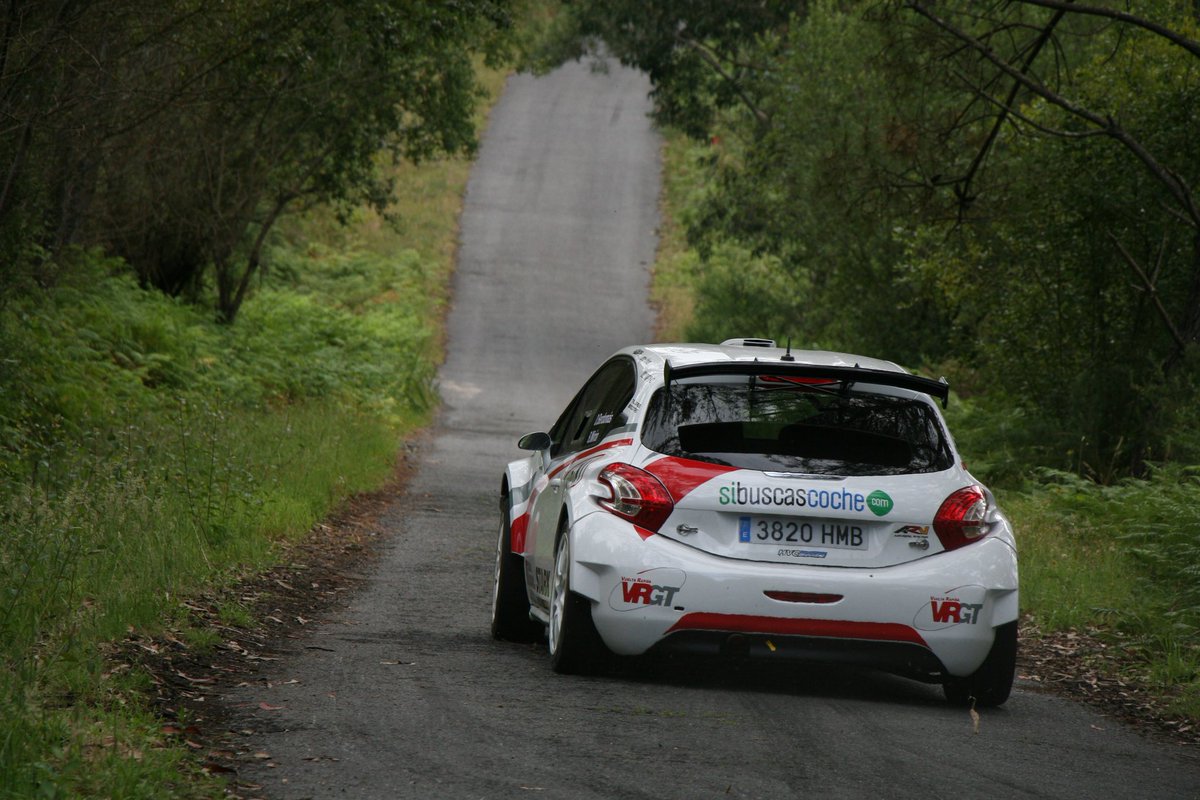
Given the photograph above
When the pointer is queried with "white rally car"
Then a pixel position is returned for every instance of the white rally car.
(746, 500)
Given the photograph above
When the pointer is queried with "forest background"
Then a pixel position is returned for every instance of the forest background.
(227, 230)
(998, 192)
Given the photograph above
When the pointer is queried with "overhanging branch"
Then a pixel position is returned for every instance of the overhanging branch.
(1174, 37)
(715, 63)
(1174, 183)
(1151, 290)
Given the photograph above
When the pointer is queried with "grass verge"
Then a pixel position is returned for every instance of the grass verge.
(147, 453)
(1118, 563)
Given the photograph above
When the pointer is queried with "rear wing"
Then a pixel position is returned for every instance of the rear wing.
(844, 375)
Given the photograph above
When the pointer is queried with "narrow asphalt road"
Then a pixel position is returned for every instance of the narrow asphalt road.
(405, 695)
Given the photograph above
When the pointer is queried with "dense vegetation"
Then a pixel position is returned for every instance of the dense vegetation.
(221, 276)
(1000, 192)
(176, 133)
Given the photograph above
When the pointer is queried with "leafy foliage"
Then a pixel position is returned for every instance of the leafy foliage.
(695, 51)
(177, 133)
(1120, 559)
(148, 451)
(1001, 194)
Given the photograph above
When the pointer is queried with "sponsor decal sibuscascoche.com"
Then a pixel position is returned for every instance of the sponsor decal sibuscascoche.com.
(738, 494)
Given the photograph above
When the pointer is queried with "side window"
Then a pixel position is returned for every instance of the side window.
(559, 431)
(595, 409)
(608, 416)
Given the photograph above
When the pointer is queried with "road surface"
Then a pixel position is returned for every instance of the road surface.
(404, 695)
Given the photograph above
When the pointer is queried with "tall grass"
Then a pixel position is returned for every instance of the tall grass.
(1123, 560)
(169, 510)
(155, 454)
(147, 452)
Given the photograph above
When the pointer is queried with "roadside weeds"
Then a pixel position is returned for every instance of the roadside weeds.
(189, 683)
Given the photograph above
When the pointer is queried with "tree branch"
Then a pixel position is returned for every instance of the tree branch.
(1091, 134)
(1152, 291)
(1191, 45)
(1174, 183)
(711, 59)
(963, 191)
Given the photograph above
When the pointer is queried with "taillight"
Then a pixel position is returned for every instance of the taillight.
(962, 518)
(636, 495)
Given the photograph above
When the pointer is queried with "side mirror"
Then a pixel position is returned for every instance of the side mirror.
(539, 442)
(535, 441)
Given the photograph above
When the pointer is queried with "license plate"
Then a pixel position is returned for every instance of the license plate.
(814, 533)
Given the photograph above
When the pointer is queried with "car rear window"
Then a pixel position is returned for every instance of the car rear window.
(752, 424)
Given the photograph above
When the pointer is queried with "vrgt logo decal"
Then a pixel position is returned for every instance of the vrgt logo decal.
(962, 605)
(659, 587)
(640, 590)
(947, 609)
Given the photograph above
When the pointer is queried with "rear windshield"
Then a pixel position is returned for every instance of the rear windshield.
(814, 430)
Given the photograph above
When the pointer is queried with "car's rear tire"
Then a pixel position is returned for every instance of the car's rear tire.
(510, 603)
(991, 684)
(575, 646)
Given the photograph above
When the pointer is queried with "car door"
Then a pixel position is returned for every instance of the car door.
(593, 411)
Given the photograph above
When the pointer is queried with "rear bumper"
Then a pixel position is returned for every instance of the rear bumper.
(926, 619)
(909, 660)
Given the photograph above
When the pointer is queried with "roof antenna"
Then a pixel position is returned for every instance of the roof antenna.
(788, 355)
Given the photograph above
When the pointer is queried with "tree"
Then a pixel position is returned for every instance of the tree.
(1079, 119)
(1003, 188)
(177, 133)
(699, 54)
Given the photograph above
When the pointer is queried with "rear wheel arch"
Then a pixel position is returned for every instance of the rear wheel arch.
(575, 645)
(991, 684)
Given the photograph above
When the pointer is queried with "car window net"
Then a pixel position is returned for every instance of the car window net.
(749, 425)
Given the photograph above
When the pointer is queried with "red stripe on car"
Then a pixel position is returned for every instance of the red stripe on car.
(517, 534)
(598, 448)
(784, 626)
(643, 532)
(682, 475)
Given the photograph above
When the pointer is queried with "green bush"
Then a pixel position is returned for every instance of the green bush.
(740, 294)
(1123, 560)
(148, 452)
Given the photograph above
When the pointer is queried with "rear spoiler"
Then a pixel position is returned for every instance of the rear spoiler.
(847, 375)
